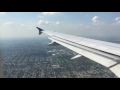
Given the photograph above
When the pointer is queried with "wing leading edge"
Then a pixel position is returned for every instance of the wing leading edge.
(104, 53)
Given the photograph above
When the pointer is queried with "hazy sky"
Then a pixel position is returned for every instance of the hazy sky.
(86, 24)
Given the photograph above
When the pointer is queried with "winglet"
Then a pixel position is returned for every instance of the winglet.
(40, 30)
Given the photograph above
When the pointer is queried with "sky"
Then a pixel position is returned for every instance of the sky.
(84, 24)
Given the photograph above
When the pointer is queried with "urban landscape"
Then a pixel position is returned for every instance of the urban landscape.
(33, 58)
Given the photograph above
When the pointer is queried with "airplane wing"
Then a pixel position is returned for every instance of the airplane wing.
(104, 53)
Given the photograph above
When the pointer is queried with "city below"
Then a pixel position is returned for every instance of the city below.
(33, 58)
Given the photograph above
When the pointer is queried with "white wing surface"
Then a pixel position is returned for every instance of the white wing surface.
(104, 53)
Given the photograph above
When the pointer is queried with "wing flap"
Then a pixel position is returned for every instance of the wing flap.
(116, 70)
(77, 56)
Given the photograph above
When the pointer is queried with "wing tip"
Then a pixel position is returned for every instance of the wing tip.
(40, 30)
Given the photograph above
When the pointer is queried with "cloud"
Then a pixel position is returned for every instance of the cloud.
(80, 24)
(50, 13)
(95, 19)
(28, 26)
(8, 23)
(88, 26)
(46, 22)
(22, 25)
(57, 23)
(117, 19)
(43, 22)
(2, 13)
